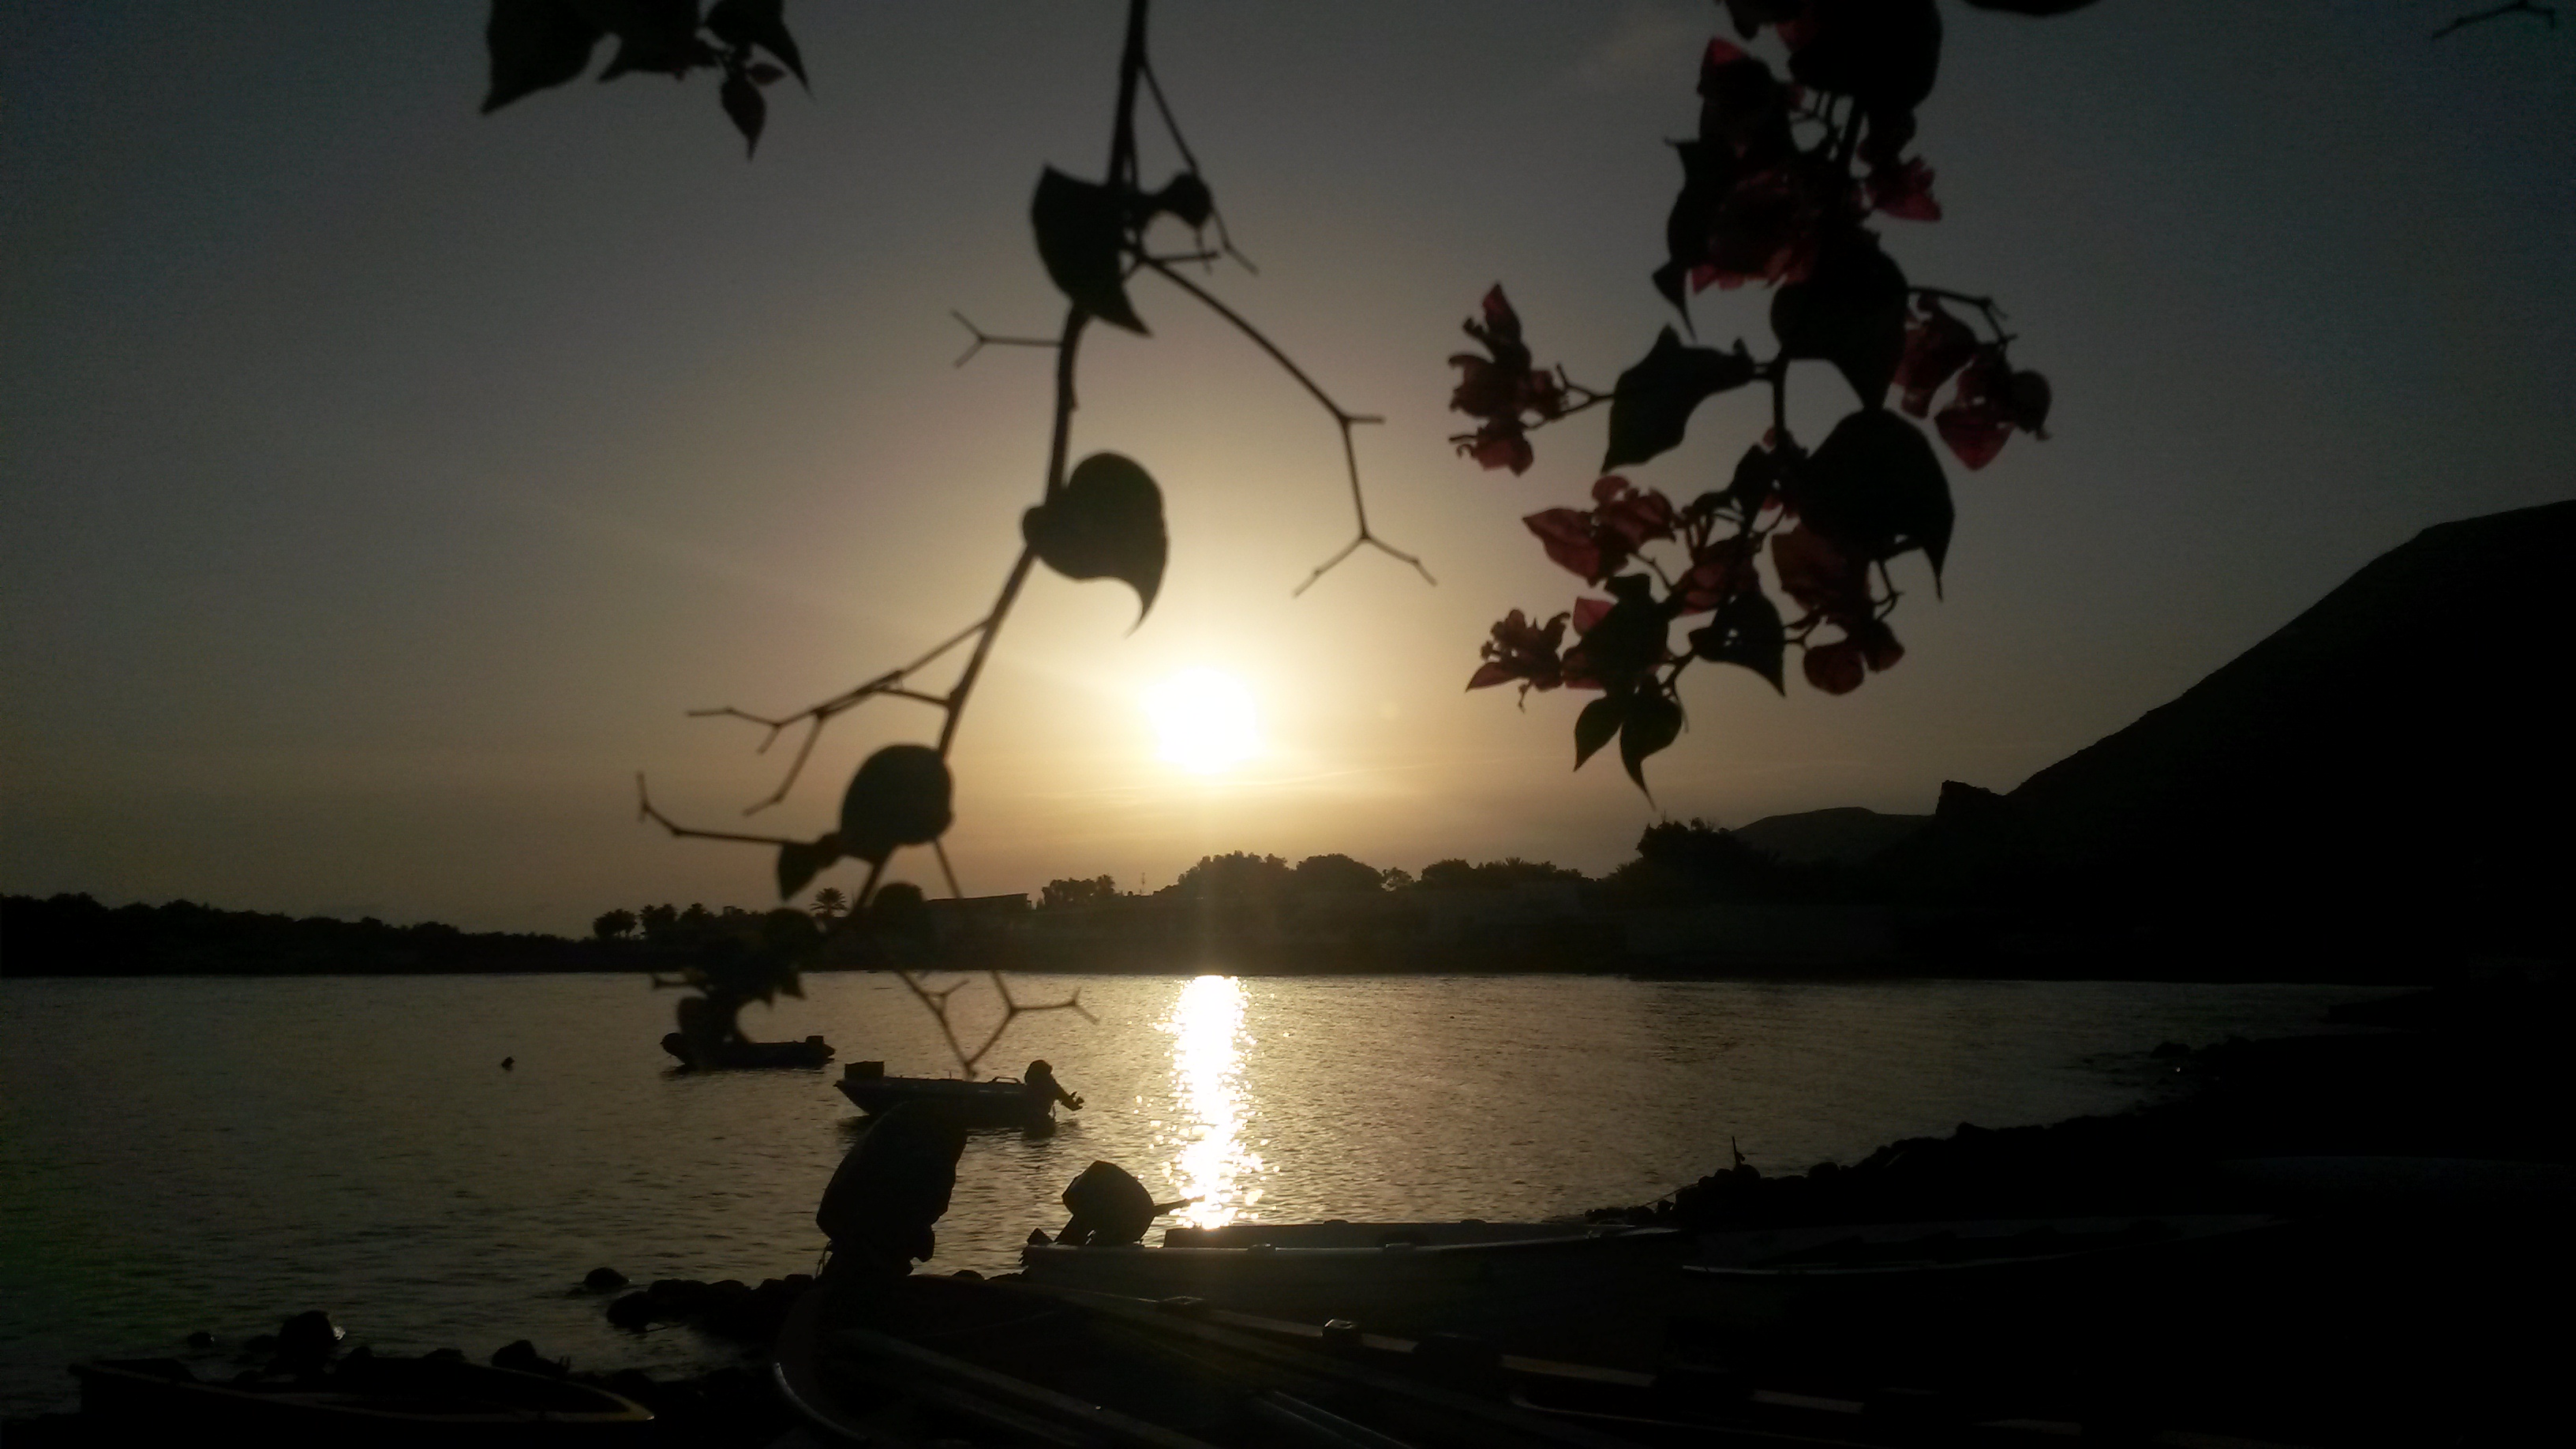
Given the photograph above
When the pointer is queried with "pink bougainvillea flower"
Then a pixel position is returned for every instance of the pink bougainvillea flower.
(1501, 390)
(1827, 582)
(1720, 571)
(1524, 651)
(1634, 517)
(1937, 345)
(1835, 668)
(1904, 191)
(1566, 534)
(1992, 400)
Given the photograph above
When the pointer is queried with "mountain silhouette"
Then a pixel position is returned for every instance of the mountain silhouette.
(2387, 776)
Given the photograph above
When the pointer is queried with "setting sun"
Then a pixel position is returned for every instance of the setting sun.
(1202, 720)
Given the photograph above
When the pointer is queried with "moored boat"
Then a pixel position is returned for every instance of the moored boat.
(1557, 1289)
(1005, 1102)
(812, 1052)
(370, 1400)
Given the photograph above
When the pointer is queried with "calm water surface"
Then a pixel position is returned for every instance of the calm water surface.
(180, 1154)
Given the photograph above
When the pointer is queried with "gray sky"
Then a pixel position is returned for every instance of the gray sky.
(379, 484)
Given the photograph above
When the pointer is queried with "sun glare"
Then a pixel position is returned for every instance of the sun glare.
(1202, 721)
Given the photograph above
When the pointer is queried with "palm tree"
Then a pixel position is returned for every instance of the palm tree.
(830, 904)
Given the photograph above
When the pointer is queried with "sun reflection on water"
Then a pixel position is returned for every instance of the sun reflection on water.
(1211, 1161)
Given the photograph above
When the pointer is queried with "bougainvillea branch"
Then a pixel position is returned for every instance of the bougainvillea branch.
(1779, 186)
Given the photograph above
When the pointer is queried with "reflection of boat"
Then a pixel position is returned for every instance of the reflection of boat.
(994, 1102)
(813, 1051)
(400, 1401)
(932, 1359)
(1566, 1289)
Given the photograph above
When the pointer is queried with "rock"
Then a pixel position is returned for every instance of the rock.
(603, 1280)
(201, 1339)
(635, 1311)
(521, 1355)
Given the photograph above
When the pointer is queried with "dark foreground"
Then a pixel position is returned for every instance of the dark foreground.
(2411, 1291)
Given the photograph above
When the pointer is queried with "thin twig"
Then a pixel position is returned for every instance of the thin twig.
(644, 810)
(814, 717)
(1172, 128)
(1343, 419)
(985, 339)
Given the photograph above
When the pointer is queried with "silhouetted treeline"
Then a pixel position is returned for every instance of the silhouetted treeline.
(73, 935)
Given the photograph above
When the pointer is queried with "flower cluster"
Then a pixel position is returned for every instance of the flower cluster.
(1991, 399)
(1502, 389)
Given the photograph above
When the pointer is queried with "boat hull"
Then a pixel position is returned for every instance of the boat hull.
(969, 1104)
(388, 1401)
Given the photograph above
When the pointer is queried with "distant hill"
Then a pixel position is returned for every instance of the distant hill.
(2389, 775)
(1845, 835)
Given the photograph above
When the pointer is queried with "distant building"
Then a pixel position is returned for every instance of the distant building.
(962, 920)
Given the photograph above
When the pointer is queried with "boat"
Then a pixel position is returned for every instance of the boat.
(1562, 1290)
(812, 1052)
(991, 1363)
(1998, 1288)
(362, 1400)
(1002, 1102)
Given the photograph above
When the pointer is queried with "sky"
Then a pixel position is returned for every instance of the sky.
(381, 484)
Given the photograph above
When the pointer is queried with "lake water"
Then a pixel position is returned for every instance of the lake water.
(182, 1154)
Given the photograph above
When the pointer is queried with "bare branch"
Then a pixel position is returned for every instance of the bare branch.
(2548, 15)
(888, 684)
(1343, 419)
(985, 339)
(645, 811)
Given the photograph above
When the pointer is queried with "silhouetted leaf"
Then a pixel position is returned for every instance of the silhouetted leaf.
(1884, 52)
(757, 22)
(899, 797)
(1746, 630)
(652, 35)
(535, 44)
(1654, 399)
(1187, 197)
(799, 863)
(743, 103)
(1850, 312)
(1654, 721)
(1622, 640)
(1597, 725)
(1876, 488)
(1082, 230)
(1106, 523)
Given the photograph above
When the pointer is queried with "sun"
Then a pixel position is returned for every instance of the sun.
(1203, 721)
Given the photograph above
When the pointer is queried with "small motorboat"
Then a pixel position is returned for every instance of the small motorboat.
(812, 1052)
(1564, 1290)
(1000, 1102)
(361, 1400)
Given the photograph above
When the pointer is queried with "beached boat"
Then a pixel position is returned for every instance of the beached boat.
(1565, 1290)
(930, 1359)
(1964, 1281)
(371, 1400)
(994, 1102)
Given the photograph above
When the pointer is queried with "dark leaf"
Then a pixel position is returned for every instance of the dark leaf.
(652, 35)
(1082, 232)
(535, 44)
(1757, 474)
(899, 797)
(763, 73)
(799, 863)
(1106, 523)
(1850, 312)
(1746, 631)
(745, 105)
(1598, 723)
(1653, 402)
(757, 22)
(1876, 488)
(1621, 641)
(1654, 721)
(1187, 197)
(1885, 52)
